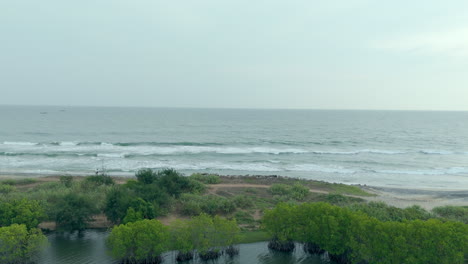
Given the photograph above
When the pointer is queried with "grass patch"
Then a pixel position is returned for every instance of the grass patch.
(339, 188)
(24, 181)
(253, 236)
(206, 178)
(244, 218)
(290, 192)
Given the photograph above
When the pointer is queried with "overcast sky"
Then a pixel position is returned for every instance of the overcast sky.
(331, 54)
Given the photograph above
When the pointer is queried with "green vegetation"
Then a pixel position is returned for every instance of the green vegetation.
(74, 212)
(23, 181)
(66, 180)
(350, 229)
(153, 194)
(18, 244)
(20, 239)
(294, 192)
(24, 212)
(139, 242)
(101, 179)
(206, 178)
(192, 205)
(384, 212)
(144, 241)
(353, 237)
(453, 213)
(6, 188)
(253, 236)
(339, 199)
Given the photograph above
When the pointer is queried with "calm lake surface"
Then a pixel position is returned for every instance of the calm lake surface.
(89, 247)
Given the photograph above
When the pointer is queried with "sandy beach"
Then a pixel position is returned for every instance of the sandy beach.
(427, 199)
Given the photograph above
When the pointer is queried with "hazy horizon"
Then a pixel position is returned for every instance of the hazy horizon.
(333, 55)
(230, 108)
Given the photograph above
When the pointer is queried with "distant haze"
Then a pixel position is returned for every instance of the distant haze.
(335, 54)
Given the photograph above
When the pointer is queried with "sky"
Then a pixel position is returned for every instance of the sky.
(333, 54)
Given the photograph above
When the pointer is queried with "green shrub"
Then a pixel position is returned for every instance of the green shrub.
(280, 189)
(24, 212)
(206, 178)
(146, 176)
(23, 181)
(6, 188)
(242, 201)
(132, 216)
(173, 182)
(196, 187)
(117, 203)
(191, 208)
(454, 213)
(289, 192)
(8, 182)
(338, 199)
(18, 244)
(244, 217)
(299, 192)
(353, 237)
(210, 204)
(66, 180)
(74, 211)
(139, 242)
(100, 180)
(384, 212)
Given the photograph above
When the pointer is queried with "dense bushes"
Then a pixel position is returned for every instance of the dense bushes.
(20, 240)
(295, 192)
(192, 204)
(18, 244)
(99, 180)
(139, 242)
(151, 195)
(74, 211)
(144, 241)
(206, 178)
(454, 213)
(23, 211)
(384, 212)
(353, 237)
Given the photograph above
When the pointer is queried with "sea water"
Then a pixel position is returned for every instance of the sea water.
(405, 149)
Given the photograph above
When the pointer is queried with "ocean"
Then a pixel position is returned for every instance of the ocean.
(403, 149)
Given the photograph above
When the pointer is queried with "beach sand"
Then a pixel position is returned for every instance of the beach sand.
(427, 199)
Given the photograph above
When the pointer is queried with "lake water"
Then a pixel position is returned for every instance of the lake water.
(89, 248)
(379, 148)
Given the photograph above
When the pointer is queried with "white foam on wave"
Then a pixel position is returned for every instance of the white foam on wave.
(112, 155)
(68, 143)
(20, 143)
(436, 171)
(437, 152)
(318, 168)
(356, 152)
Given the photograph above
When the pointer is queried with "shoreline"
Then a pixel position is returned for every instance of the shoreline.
(399, 197)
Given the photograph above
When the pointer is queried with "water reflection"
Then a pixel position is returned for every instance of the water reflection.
(89, 247)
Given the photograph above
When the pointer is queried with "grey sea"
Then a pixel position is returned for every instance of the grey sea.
(403, 149)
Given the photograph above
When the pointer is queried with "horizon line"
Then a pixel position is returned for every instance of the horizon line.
(235, 108)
